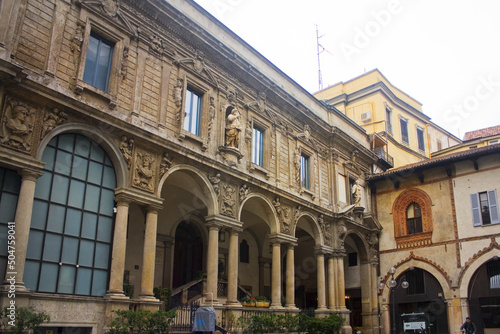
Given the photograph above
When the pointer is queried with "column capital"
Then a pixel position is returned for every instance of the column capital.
(281, 238)
(291, 245)
(30, 174)
(139, 197)
(225, 222)
(322, 250)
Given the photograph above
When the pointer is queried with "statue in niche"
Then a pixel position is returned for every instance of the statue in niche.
(357, 192)
(228, 201)
(144, 171)
(233, 128)
(17, 126)
(126, 146)
(53, 117)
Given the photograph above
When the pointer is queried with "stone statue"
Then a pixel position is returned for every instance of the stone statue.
(357, 191)
(18, 126)
(233, 128)
(144, 172)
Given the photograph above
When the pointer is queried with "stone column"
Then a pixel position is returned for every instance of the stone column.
(290, 277)
(22, 221)
(212, 264)
(340, 283)
(386, 319)
(119, 250)
(262, 276)
(276, 276)
(320, 276)
(331, 284)
(232, 277)
(148, 257)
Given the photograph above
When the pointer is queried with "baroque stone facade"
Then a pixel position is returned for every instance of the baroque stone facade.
(144, 163)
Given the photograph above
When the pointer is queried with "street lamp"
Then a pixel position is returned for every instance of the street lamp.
(393, 284)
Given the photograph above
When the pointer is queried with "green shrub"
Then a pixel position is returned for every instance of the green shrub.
(164, 294)
(142, 321)
(128, 290)
(26, 320)
(272, 323)
(331, 324)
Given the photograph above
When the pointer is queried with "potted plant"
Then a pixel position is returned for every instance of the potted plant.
(248, 301)
(261, 301)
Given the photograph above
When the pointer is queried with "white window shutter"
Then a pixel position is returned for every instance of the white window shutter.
(476, 210)
(492, 198)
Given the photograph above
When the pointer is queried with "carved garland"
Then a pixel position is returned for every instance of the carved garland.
(399, 212)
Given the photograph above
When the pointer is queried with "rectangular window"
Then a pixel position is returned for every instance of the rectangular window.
(353, 259)
(98, 62)
(484, 208)
(420, 139)
(351, 195)
(192, 112)
(404, 131)
(493, 270)
(388, 119)
(304, 171)
(258, 146)
(493, 142)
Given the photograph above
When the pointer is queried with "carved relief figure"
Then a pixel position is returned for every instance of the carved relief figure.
(18, 126)
(76, 42)
(233, 128)
(244, 191)
(296, 165)
(165, 163)
(228, 201)
(198, 64)
(215, 180)
(357, 191)
(325, 229)
(124, 65)
(144, 171)
(211, 116)
(126, 146)
(341, 233)
(156, 44)
(260, 103)
(110, 7)
(248, 131)
(284, 214)
(178, 99)
(52, 118)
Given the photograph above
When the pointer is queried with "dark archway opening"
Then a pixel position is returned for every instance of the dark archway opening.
(188, 254)
(484, 296)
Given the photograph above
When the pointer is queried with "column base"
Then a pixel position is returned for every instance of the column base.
(276, 307)
(235, 304)
(116, 295)
(149, 299)
(322, 312)
(292, 307)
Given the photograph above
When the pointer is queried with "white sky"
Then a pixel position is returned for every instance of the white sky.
(445, 54)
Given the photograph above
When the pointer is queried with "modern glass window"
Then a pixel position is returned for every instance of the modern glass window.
(69, 249)
(420, 139)
(304, 171)
(484, 208)
(192, 112)
(414, 219)
(404, 130)
(98, 62)
(388, 119)
(244, 252)
(10, 183)
(258, 146)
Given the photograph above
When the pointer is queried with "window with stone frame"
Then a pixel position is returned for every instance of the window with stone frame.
(192, 111)
(412, 212)
(404, 130)
(304, 171)
(98, 61)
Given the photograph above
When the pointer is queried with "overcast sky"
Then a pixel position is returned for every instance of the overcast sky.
(445, 54)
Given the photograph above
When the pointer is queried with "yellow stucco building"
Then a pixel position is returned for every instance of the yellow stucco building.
(400, 132)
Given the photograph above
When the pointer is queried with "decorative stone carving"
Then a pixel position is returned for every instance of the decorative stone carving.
(211, 116)
(298, 210)
(260, 105)
(124, 64)
(111, 7)
(166, 162)
(215, 180)
(198, 65)
(233, 128)
(296, 166)
(156, 45)
(232, 96)
(325, 228)
(52, 118)
(76, 42)
(372, 240)
(249, 131)
(357, 191)
(126, 146)
(228, 201)
(284, 215)
(178, 99)
(17, 125)
(144, 171)
(341, 233)
(244, 191)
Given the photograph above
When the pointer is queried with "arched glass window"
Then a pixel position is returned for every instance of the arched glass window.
(244, 252)
(414, 219)
(72, 224)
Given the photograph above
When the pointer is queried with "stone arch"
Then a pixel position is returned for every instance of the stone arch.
(112, 150)
(473, 264)
(201, 179)
(360, 241)
(311, 226)
(425, 264)
(266, 206)
(413, 195)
